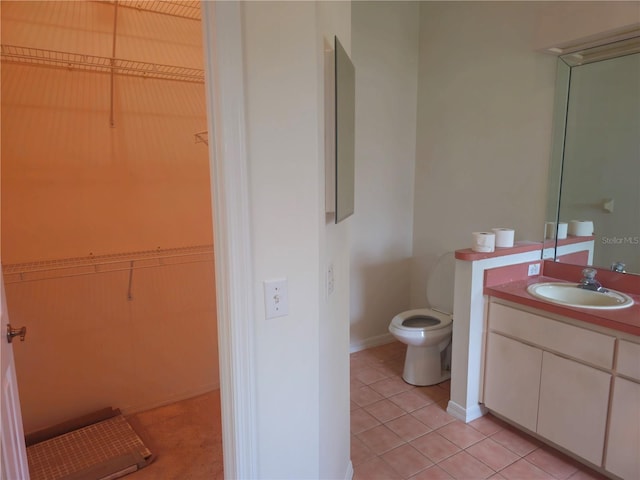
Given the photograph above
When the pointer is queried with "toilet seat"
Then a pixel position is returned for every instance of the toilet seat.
(444, 320)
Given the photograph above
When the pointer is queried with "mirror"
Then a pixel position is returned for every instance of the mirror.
(595, 168)
(345, 98)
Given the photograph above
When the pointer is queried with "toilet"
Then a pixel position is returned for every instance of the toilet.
(427, 331)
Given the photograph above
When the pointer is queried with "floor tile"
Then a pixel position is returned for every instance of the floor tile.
(368, 375)
(484, 448)
(492, 454)
(375, 469)
(524, 470)
(433, 416)
(488, 424)
(432, 393)
(407, 427)
(553, 462)
(432, 473)
(364, 396)
(518, 442)
(410, 400)
(435, 446)
(406, 460)
(461, 434)
(464, 466)
(390, 386)
(380, 439)
(384, 410)
(585, 473)
(360, 453)
(362, 420)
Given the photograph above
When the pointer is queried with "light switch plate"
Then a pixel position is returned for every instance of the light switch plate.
(276, 298)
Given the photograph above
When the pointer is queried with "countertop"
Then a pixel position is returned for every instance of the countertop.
(625, 319)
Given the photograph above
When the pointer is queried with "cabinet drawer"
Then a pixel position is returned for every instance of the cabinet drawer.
(629, 359)
(579, 343)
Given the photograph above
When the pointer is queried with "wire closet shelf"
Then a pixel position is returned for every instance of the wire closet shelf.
(80, 61)
(91, 264)
(176, 8)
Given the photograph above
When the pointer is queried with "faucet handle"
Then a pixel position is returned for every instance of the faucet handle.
(618, 267)
(589, 273)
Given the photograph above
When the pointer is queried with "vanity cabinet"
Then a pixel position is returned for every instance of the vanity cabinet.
(623, 446)
(550, 377)
(572, 411)
(512, 379)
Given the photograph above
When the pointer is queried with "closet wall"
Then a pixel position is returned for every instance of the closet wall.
(106, 211)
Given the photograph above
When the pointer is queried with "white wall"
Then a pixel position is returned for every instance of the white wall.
(385, 54)
(558, 23)
(301, 367)
(333, 18)
(484, 128)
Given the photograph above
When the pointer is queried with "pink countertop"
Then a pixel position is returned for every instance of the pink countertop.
(624, 320)
(519, 247)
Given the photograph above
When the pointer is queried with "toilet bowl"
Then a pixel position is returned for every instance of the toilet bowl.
(427, 332)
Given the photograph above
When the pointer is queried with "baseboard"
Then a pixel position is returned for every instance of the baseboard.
(194, 392)
(465, 414)
(349, 474)
(371, 342)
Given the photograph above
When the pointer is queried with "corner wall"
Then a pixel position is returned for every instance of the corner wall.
(484, 128)
(301, 359)
(385, 54)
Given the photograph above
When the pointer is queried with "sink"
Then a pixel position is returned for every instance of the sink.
(569, 295)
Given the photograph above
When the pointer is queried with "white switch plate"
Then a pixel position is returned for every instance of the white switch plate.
(534, 269)
(276, 298)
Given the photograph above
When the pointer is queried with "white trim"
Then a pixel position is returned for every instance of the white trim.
(349, 473)
(371, 342)
(465, 414)
(224, 84)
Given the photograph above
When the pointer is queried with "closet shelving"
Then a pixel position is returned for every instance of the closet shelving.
(202, 137)
(176, 8)
(91, 264)
(80, 61)
(113, 65)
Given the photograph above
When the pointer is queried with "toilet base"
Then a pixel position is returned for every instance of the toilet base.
(423, 366)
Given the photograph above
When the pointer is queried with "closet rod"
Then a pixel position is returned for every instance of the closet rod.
(94, 63)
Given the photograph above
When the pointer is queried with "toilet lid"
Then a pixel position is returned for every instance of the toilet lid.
(441, 283)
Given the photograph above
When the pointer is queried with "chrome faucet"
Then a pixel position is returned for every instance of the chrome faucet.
(589, 282)
(618, 267)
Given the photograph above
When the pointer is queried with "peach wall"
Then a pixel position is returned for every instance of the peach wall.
(73, 186)
(88, 346)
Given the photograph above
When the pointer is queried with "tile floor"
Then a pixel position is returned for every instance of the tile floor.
(185, 437)
(399, 431)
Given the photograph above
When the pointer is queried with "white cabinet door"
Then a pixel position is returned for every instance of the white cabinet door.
(512, 379)
(573, 406)
(623, 449)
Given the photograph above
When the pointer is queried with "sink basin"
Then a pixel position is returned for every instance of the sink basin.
(569, 295)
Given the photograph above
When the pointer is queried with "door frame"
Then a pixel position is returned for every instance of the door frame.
(224, 85)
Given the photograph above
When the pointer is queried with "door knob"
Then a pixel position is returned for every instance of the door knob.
(14, 332)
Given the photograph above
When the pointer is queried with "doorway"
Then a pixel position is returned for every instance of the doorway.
(106, 214)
